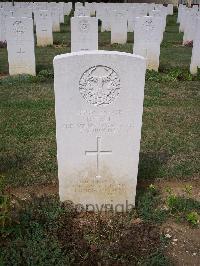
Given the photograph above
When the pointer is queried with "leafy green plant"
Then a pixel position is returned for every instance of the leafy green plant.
(148, 206)
(175, 73)
(152, 75)
(181, 205)
(172, 74)
(155, 259)
(188, 190)
(152, 188)
(178, 74)
(193, 218)
(45, 74)
(172, 201)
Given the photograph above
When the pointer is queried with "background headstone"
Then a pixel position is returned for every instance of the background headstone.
(44, 28)
(20, 46)
(84, 33)
(195, 59)
(147, 39)
(55, 13)
(118, 27)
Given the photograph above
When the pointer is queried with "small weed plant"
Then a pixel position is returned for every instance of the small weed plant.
(183, 207)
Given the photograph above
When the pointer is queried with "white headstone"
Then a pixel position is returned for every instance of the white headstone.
(20, 46)
(103, 14)
(182, 17)
(195, 59)
(40, 5)
(81, 11)
(161, 15)
(99, 105)
(190, 25)
(44, 28)
(119, 27)
(67, 8)
(91, 7)
(55, 13)
(170, 9)
(61, 11)
(2, 26)
(147, 39)
(23, 12)
(84, 33)
(78, 4)
(131, 19)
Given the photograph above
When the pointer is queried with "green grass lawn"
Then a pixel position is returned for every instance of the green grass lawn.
(169, 150)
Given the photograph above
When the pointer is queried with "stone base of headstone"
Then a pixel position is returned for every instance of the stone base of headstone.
(21, 64)
(151, 53)
(56, 28)
(118, 38)
(44, 41)
(193, 69)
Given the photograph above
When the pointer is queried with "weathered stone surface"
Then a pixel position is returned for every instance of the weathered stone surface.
(119, 27)
(44, 28)
(99, 105)
(147, 39)
(84, 33)
(20, 46)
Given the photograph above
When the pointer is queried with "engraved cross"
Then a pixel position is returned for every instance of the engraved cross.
(20, 51)
(98, 152)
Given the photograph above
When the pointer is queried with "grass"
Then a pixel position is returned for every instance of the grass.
(41, 231)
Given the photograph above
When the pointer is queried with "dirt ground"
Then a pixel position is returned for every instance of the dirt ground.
(184, 247)
(184, 244)
(178, 187)
(184, 241)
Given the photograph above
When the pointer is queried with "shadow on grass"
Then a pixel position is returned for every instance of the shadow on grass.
(150, 165)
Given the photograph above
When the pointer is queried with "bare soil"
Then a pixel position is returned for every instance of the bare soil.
(184, 246)
(184, 241)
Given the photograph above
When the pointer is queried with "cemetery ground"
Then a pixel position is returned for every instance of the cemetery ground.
(163, 229)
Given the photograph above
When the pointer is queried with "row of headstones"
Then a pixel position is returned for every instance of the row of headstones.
(56, 13)
(47, 18)
(130, 11)
(189, 3)
(189, 19)
(20, 38)
(16, 28)
(148, 31)
(120, 19)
